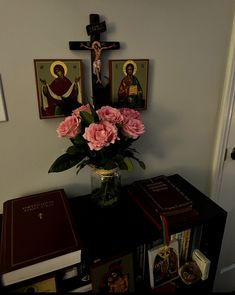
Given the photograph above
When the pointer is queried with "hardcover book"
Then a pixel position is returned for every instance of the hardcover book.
(163, 195)
(146, 208)
(158, 195)
(38, 236)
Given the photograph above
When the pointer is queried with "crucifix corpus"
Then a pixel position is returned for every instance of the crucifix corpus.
(96, 47)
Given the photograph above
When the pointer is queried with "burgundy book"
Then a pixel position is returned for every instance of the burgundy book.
(38, 236)
(153, 216)
(158, 195)
(163, 195)
(146, 208)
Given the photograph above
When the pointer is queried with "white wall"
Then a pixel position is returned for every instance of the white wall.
(186, 42)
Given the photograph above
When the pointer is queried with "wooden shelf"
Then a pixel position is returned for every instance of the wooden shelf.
(106, 232)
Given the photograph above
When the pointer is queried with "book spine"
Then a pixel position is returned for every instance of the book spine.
(153, 216)
(5, 237)
(187, 234)
(196, 238)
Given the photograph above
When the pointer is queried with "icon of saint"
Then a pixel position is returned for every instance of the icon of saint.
(61, 96)
(130, 93)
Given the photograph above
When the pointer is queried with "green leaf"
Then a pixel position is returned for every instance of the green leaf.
(121, 163)
(87, 117)
(128, 163)
(94, 114)
(72, 150)
(79, 139)
(82, 164)
(142, 165)
(65, 162)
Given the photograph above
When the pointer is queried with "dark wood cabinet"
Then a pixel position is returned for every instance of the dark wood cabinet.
(106, 232)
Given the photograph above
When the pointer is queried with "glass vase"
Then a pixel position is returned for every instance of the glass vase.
(105, 187)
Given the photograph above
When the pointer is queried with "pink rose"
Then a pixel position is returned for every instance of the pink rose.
(82, 108)
(133, 128)
(69, 127)
(129, 114)
(112, 115)
(100, 135)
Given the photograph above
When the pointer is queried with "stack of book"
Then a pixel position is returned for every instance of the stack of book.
(38, 237)
(160, 196)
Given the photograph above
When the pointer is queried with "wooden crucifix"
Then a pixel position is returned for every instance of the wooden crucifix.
(100, 91)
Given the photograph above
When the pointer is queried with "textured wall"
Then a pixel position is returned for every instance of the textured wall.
(186, 43)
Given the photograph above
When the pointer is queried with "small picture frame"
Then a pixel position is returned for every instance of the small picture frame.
(163, 264)
(129, 83)
(115, 275)
(59, 86)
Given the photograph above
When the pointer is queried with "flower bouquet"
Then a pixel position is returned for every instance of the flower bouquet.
(101, 139)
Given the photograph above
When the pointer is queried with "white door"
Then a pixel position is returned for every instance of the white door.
(225, 279)
(223, 178)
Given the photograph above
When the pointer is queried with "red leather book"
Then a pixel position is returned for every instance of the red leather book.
(146, 208)
(163, 195)
(169, 201)
(154, 217)
(38, 236)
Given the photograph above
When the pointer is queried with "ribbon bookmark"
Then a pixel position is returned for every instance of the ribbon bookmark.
(165, 230)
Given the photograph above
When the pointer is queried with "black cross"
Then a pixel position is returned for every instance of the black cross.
(100, 91)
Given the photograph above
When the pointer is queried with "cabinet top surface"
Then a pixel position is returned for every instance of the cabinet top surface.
(125, 225)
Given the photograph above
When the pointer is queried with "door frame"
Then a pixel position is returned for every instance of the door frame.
(224, 121)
